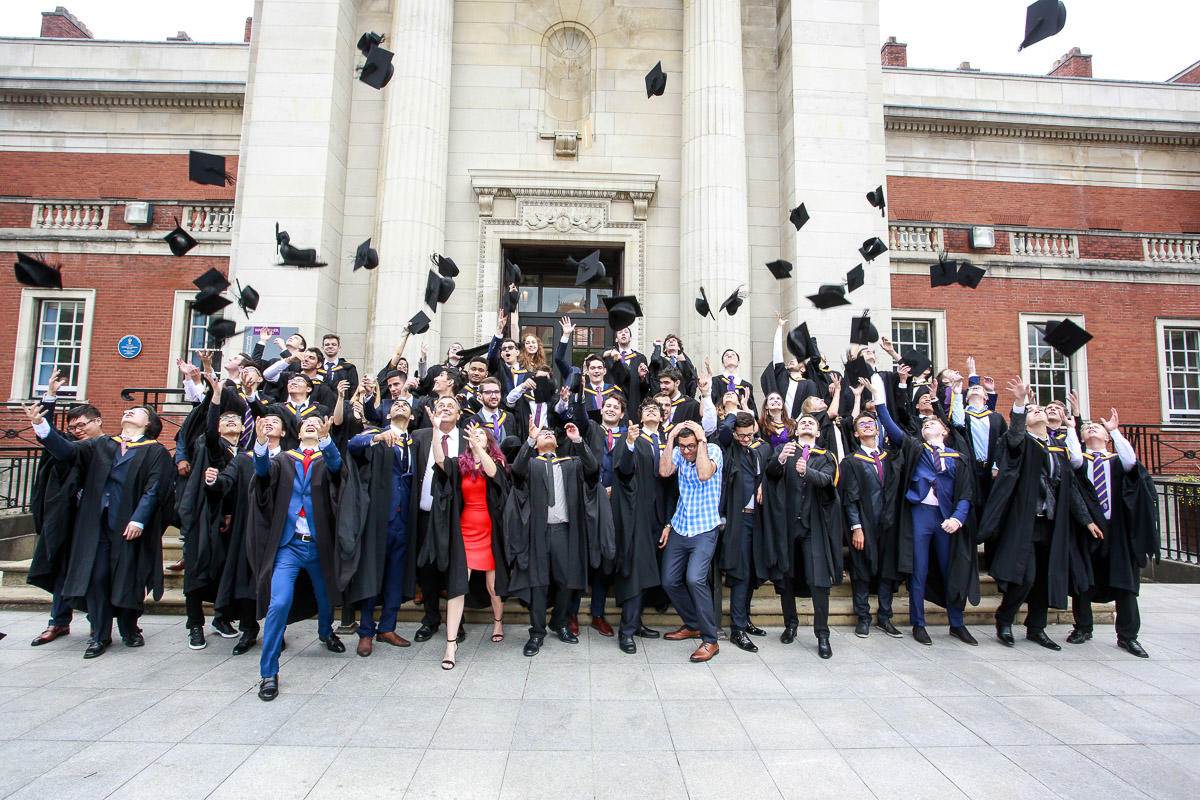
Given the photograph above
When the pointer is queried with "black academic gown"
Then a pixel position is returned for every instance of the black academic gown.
(879, 558)
(733, 500)
(201, 521)
(793, 503)
(623, 372)
(363, 533)
(659, 362)
(443, 543)
(507, 422)
(642, 504)
(1131, 535)
(52, 505)
(231, 491)
(775, 378)
(721, 385)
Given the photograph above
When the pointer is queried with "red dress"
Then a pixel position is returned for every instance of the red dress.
(476, 522)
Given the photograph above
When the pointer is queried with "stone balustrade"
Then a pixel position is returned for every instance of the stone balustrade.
(915, 238)
(1043, 244)
(70, 216)
(1171, 250)
(208, 219)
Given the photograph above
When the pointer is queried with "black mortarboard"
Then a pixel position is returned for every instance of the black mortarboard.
(589, 270)
(656, 81)
(210, 302)
(799, 216)
(35, 272)
(510, 300)
(798, 342)
(221, 329)
(780, 269)
(855, 278)
(511, 448)
(366, 256)
(862, 331)
(179, 240)
(433, 287)
(368, 42)
(857, 368)
(702, 307)
(378, 69)
(872, 248)
(445, 266)
(467, 354)
(543, 388)
(733, 302)
(1066, 337)
(207, 169)
(446, 289)
(212, 279)
(917, 361)
(512, 273)
(622, 310)
(943, 273)
(1043, 19)
(875, 198)
(830, 295)
(419, 323)
(292, 256)
(247, 298)
(969, 275)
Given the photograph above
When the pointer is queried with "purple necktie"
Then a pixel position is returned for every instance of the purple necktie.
(878, 464)
(1100, 481)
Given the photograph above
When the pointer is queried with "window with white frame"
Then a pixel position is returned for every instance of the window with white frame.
(58, 345)
(1181, 368)
(1051, 376)
(195, 333)
(914, 334)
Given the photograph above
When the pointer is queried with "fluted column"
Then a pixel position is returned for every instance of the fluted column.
(714, 247)
(412, 179)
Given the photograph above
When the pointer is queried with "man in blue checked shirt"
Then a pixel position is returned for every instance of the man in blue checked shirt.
(691, 537)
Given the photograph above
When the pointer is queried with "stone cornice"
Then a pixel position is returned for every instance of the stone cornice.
(1099, 130)
(537, 183)
(179, 95)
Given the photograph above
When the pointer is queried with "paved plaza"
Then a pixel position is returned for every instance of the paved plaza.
(884, 718)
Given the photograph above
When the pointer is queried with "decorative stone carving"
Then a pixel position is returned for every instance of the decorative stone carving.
(566, 144)
(562, 219)
(567, 79)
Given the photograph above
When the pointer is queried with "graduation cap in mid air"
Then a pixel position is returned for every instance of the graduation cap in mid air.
(733, 302)
(917, 361)
(872, 248)
(1043, 19)
(365, 256)
(510, 299)
(294, 256)
(378, 69)
(589, 270)
(829, 295)
(437, 290)
(1066, 337)
(702, 307)
(656, 81)
(855, 278)
(219, 330)
(247, 298)
(799, 216)
(419, 323)
(210, 301)
(969, 275)
(862, 331)
(780, 269)
(949, 271)
(207, 169)
(800, 343)
(179, 240)
(512, 273)
(34, 272)
(466, 355)
(622, 310)
(369, 41)
(876, 199)
(211, 279)
(445, 266)
(543, 388)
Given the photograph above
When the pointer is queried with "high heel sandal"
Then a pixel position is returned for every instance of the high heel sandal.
(448, 663)
(498, 637)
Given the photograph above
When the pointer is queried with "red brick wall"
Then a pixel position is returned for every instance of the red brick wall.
(1191, 76)
(893, 53)
(1073, 65)
(87, 176)
(1043, 205)
(61, 24)
(1122, 360)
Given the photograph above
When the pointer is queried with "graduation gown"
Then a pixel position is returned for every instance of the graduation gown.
(793, 503)
(443, 543)
(721, 384)
(365, 507)
(733, 500)
(1131, 535)
(201, 521)
(775, 378)
(231, 492)
(52, 505)
(659, 362)
(879, 558)
(623, 371)
(642, 504)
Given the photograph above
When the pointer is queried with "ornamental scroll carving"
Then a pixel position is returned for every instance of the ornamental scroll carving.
(562, 219)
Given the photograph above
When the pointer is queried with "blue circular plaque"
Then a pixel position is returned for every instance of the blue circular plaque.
(129, 346)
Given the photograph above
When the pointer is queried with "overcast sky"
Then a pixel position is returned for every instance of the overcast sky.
(1142, 40)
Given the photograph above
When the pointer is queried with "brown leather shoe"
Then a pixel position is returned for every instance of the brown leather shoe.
(705, 651)
(365, 645)
(177, 566)
(49, 635)
(684, 632)
(393, 639)
(573, 623)
(602, 626)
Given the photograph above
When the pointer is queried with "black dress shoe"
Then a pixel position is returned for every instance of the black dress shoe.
(921, 635)
(754, 630)
(333, 644)
(961, 633)
(533, 646)
(1133, 647)
(887, 627)
(565, 635)
(268, 688)
(743, 641)
(196, 638)
(627, 644)
(1004, 634)
(244, 644)
(425, 632)
(823, 648)
(862, 629)
(134, 640)
(1078, 636)
(646, 633)
(789, 633)
(1040, 637)
(224, 629)
(94, 649)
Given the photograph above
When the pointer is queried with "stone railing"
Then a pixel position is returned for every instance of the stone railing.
(208, 219)
(70, 216)
(915, 238)
(1043, 244)
(1161, 250)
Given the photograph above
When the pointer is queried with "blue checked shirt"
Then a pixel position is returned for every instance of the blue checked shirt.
(698, 510)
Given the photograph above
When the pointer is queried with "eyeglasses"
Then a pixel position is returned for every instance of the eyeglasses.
(80, 424)
(689, 447)
(509, 347)
(745, 437)
(490, 391)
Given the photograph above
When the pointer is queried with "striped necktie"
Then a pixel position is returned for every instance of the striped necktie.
(1100, 481)
(247, 426)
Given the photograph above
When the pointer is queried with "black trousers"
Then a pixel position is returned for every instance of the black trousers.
(431, 582)
(564, 597)
(1035, 588)
(820, 594)
(1129, 618)
(100, 610)
(631, 615)
(195, 612)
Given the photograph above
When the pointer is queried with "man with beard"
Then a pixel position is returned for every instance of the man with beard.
(628, 369)
(491, 414)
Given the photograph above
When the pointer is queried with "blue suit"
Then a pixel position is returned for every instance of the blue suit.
(293, 553)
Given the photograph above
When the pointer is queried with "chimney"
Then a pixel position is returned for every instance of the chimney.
(1072, 65)
(966, 67)
(249, 25)
(179, 37)
(893, 53)
(62, 24)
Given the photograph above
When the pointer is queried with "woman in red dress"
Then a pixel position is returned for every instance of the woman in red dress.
(471, 492)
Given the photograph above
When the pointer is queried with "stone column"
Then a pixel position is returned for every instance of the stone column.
(412, 179)
(714, 247)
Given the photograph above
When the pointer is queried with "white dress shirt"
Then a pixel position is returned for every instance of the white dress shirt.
(451, 452)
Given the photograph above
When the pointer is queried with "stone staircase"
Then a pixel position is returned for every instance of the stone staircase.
(15, 593)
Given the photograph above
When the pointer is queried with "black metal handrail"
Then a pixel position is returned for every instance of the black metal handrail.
(1179, 520)
(1166, 449)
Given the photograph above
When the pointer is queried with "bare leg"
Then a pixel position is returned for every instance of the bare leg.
(454, 612)
(497, 608)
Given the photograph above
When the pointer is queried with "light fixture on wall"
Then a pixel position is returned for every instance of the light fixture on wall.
(138, 213)
(982, 237)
